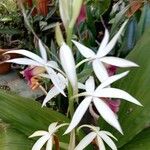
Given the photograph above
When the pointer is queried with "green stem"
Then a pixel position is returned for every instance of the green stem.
(71, 112)
(72, 140)
(69, 36)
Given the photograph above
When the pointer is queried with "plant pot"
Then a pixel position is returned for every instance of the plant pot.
(6, 67)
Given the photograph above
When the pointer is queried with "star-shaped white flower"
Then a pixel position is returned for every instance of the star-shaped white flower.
(99, 136)
(36, 60)
(53, 92)
(47, 136)
(100, 57)
(94, 96)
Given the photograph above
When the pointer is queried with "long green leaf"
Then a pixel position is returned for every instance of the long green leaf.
(134, 119)
(10, 139)
(140, 142)
(26, 115)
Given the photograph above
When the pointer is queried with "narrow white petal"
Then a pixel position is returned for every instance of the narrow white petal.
(104, 42)
(119, 62)
(109, 134)
(40, 142)
(51, 94)
(55, 79)
(108, 140)
(85, 51)
(54, 91)
(49, 144)
(93, 113)
(90, 85)
(24, 61)
(106, 113)
(111, 79)
(27, 54)
(52, 127)
(81, 86)
(38, 133)
(116, 93)
(113, 41)
(94, 128)
(100, 143)
(42, 51)
(80, 111)
(59, 126)
(52, 64)
(68, 64)
(85, 141)
(100, 70)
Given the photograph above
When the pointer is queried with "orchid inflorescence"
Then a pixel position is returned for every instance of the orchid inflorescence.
(66, 78)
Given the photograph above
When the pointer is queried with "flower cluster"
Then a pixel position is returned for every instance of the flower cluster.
(98, 95)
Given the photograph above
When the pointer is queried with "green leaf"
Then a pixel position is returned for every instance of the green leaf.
(144, 22)
(27, 116)
(140, 142)
(98, 7)
(10, 139)
(134, 119)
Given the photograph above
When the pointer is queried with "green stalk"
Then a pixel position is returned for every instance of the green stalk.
(71, 112)
(69, 36)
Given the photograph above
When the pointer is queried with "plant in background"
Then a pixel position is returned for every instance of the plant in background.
(64, 83)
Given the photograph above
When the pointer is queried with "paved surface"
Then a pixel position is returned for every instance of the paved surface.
(17, 85)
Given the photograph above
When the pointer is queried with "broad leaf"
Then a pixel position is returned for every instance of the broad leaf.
(134, 119)
(10, 139)
(26, 115)
(140, 142)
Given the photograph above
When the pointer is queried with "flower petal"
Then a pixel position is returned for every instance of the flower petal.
(52, 64)
(119, 62)
(100, 70)
(52, 127)
(68, 64)
(85, 141)
(42, 51)
(108, 140)
(109, 134)
(104, 42)
(24, 61)
(49, 144)
(90, 85)
(111, 79)
(54, 90)
(113, 41)
(27, 54)
(61, 125)
(80, 111)
(106, 113)
(38, 133)
(81, 86)
(100, 143)
(85, 51)
(55, 79)
(51, 94)
(40, 142)
(116, 93)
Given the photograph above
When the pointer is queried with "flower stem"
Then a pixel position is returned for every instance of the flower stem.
(69, 36)
(71, 112)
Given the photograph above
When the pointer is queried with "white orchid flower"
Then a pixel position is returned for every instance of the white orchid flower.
(68, 64)
(53, 92)
(99, 136)
(47, 136)
(94, 96)
(36, 60)
(100, 58)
